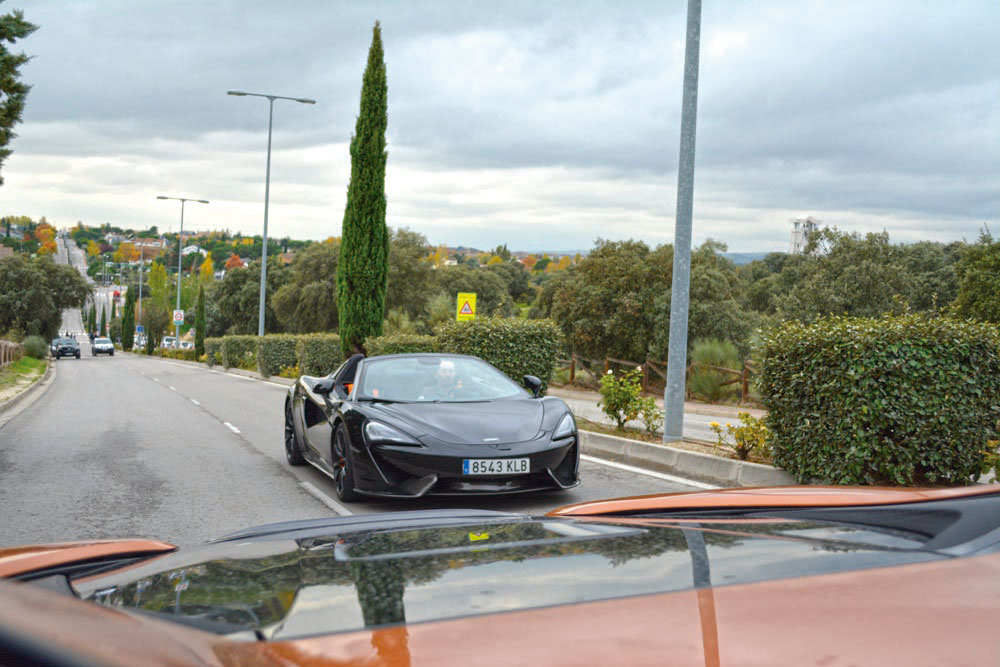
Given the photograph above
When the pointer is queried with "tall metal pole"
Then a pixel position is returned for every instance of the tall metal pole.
(180, 239)
(267, 191)
(267, 197)
(673, 394)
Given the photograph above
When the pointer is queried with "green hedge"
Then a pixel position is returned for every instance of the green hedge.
(274, 352)
(900, 400)
(213, 351)
(184, 355)
(515, 346)
(239, 352)
(318, 354)
(400, 344)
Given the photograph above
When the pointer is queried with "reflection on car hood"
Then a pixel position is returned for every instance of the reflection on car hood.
(311, 582)
(502, 421)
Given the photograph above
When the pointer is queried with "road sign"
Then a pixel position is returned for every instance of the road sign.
(178, 317)
(139, 328)
(465, 306)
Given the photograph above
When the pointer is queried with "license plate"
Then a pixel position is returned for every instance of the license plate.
(494, 466)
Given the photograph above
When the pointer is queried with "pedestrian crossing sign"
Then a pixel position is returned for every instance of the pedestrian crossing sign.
(465, 306)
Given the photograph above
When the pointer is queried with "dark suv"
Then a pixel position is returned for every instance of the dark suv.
(67, 347)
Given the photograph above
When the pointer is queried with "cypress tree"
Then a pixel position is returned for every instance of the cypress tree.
(12, 90)
(113, 309)
(104, 322)
(92, 319)
(199, 324)
(128, 320)
(363, 270)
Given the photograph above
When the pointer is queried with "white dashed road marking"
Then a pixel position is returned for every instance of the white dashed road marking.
(195, 402)
(231, 427)
(325, 499)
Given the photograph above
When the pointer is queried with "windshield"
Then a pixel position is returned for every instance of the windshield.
(102, 341)
(435, 379)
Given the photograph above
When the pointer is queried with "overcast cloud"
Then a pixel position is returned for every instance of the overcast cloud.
(543, 125)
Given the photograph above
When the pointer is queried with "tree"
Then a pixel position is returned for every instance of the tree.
(237, 297)
(92, 319)
(34, 292)
(199, 323)
(363, 275)
(12, 91)
(979, 275)
(308, 301)
(104, 322)
(491, 291)
(207, 271)
(128, 319)
(411, 274)
(515, 276)
(159, 286)
(234, 262)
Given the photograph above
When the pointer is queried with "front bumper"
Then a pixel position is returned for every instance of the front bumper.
(411, 472)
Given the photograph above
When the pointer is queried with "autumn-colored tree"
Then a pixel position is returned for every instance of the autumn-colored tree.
(159, 285)
(207, 271)
(234, 262)
(126, 252)
(93, 250)
(439, 256)
(495, 259)
(529, 262)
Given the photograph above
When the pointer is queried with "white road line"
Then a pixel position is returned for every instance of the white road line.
(325, 499)
(172, 388)
(231, 427)
(155, 380)
(650, 473)
(195, 402)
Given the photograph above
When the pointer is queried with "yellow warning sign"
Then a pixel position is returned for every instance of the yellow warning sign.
(465, 306)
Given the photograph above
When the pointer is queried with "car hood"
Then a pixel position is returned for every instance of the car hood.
(501, 422)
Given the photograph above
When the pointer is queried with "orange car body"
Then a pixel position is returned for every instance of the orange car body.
(944, 611)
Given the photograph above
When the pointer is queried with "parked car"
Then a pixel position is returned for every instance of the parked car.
(67, 347)
(102, 346)
(186, 345)
(409, 425)
(54, 347)
(776, 576)
(168, 341)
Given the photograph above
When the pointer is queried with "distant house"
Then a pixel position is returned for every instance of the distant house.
(191, 249)
(286, 257)
(219, 275)
(111, 237)
(801, 227)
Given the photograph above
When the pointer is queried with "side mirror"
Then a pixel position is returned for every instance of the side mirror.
(323, 387)
(533, 383)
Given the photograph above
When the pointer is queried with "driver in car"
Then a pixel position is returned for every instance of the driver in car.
(446, 382)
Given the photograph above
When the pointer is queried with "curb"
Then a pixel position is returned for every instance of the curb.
(218, 368)
(703, 467)
(708, 410)
(33, 392)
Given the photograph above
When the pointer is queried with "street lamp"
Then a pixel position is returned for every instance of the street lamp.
(267, 190)
(180, 239)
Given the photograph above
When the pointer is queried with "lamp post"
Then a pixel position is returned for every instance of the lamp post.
(180, 239)
(267, 190)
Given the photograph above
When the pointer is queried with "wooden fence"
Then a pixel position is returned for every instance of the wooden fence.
(9, 352)
(655, 368)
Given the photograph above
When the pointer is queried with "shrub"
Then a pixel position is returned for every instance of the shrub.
(213, 351)
(35, 346)
(649, 412)
(400, 344)
(750, 436)
(239, 352)
(621, 396)
(183, 355)
(318, 354)
(517, 347)
(707, 383)
(275, 351)
(904, 400)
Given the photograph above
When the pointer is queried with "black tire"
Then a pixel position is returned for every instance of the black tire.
(77, 355)
(111, 353)
(292, 450)
(343, 467)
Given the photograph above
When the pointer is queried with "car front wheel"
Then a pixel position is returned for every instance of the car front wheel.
(343, 468)
(292, 451)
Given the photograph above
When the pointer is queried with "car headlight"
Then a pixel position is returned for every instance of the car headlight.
(379, 432)
(566, 427)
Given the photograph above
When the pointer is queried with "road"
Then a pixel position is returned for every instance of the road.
(132, 446)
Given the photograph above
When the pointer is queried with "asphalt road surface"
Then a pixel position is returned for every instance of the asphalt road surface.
(132, 446)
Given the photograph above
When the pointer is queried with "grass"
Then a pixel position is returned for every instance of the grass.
(27, 368)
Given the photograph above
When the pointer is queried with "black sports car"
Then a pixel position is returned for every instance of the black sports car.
(409, 425)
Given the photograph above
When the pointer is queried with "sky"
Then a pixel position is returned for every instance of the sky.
(542, 125)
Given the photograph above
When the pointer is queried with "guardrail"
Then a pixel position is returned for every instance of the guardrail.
(9, 352)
